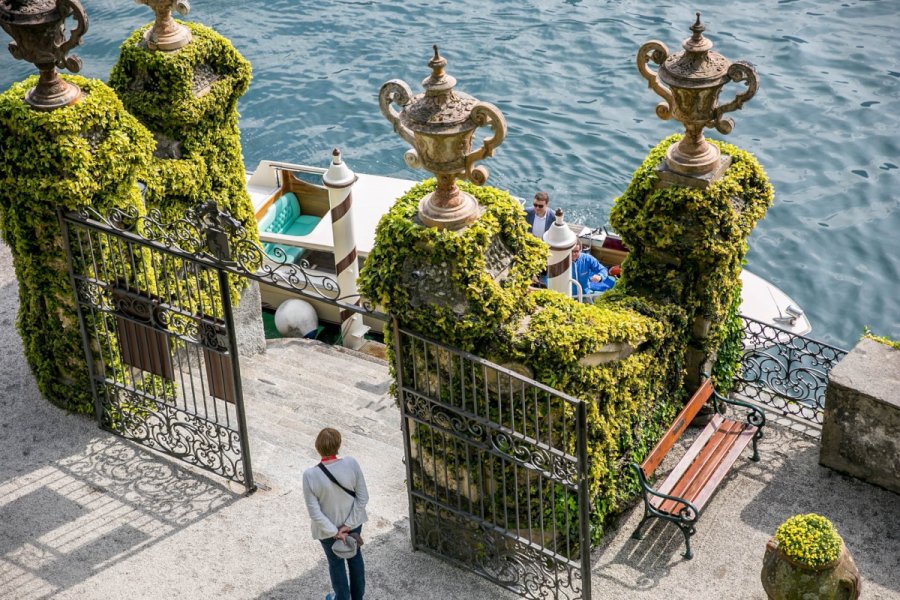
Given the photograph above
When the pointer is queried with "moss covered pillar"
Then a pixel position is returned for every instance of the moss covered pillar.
(88, 154)
(188, 98)
(688, 243)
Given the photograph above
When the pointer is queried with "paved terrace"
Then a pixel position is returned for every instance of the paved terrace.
(86, 515)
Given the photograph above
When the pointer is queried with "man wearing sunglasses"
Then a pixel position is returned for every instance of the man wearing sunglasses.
(539, 216)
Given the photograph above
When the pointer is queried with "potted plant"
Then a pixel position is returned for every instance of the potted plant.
(808, 559)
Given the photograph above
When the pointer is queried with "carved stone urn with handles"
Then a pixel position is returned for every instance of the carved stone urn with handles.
(439, 124)
(689, 83)
(38, 29)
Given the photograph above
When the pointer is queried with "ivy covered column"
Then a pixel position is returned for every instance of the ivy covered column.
(183, 82)
(690, 207)
(188, 98)
(86, 154)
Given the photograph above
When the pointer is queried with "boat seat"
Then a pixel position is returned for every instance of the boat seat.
(284, 217)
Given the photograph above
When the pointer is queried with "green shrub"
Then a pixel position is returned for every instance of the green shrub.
(88, 154)
(688, 244)
(809, 539)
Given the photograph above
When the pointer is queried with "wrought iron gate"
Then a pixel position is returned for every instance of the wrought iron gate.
(155, 309)
(154, 303)
(784, 371)
(496, 470)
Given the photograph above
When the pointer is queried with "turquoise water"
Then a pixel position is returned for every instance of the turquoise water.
(825, 123)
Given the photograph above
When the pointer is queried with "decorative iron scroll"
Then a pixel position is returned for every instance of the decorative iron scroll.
(163, 427)
(210, 236)
(786, 371)
(498, 556)
(497, 470)
(521, 450)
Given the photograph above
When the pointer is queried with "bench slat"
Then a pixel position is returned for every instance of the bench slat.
(671, 436)
(699, 475)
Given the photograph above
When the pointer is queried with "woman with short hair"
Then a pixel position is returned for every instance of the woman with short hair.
(337, 509)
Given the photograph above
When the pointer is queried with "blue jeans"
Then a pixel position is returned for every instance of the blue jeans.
(344, 590)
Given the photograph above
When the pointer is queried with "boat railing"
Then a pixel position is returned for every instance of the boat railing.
(785, 371)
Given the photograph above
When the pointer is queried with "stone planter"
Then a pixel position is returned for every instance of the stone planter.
(785, 579)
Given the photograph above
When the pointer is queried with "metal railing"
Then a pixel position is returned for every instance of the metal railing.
(785, 371)
(497, 470)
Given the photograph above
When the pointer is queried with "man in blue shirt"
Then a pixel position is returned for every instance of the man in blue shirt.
(589, 273)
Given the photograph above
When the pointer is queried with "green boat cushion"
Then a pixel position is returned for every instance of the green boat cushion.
(293, 253)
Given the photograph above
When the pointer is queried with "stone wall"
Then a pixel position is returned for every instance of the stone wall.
(861, 429)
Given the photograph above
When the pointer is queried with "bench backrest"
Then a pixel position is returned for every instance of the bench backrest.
(683, 419)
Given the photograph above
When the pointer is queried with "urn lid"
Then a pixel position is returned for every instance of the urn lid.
(28, 12)
(439, 110)
(697, 66)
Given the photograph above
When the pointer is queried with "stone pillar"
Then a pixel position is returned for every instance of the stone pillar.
(339, 180)
(861, 429)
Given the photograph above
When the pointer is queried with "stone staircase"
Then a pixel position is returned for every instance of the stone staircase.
(300, 386)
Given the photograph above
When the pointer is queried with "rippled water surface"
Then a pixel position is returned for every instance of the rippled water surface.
(825, 123)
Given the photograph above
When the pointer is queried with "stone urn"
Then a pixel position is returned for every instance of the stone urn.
(784, 578)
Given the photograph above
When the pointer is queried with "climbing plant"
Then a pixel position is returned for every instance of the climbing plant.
(88, 154)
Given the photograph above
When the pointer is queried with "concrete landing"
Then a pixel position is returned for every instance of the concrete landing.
(85, 515)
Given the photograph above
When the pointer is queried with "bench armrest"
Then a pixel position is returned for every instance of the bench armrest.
(688, 514)
(755, 415)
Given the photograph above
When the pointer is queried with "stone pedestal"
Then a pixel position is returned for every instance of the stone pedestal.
(861, 429)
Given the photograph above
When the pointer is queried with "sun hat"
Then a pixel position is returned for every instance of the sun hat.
(345, 548)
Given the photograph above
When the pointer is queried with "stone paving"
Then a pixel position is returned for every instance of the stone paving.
(86, 515)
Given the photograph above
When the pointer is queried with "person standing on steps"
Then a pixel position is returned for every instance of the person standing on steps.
(336, 497)
(539, 217)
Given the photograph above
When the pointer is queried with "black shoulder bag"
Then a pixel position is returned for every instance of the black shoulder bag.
(335, 481)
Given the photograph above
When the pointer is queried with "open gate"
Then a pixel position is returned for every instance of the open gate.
(497, 470)
(154, 302)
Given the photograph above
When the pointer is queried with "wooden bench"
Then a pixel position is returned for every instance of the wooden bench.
(682, 496)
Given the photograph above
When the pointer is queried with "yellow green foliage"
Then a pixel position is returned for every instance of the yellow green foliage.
(453, 262)
(809, 539)
(630, 402)
(688, 244)
(170, 93)
(88, 154)
(881, 339)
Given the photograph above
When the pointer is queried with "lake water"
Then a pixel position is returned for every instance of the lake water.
(825, 123)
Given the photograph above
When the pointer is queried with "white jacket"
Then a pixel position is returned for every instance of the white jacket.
(329, 506)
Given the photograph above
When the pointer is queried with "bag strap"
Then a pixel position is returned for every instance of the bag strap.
(335, 481)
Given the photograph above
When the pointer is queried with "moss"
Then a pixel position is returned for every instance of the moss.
(88, 154)
(630, 401)
(688, 244)
(881, 339)
(188, 99)
(809, 539)
(163, 90)
(411, 263)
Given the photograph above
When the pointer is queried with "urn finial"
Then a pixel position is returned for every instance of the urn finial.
(689, 83)
(38, 29)
(439, 124)
(167, 34)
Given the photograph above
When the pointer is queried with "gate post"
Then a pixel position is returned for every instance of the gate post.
(584, 499)
(339, 180)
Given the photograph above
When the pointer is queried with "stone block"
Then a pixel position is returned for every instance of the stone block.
(861, 428)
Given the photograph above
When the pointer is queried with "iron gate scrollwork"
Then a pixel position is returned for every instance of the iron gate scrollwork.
(154, 305)
(785, 371)
(496, 470)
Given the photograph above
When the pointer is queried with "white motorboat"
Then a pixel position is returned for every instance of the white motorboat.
(374, 195)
